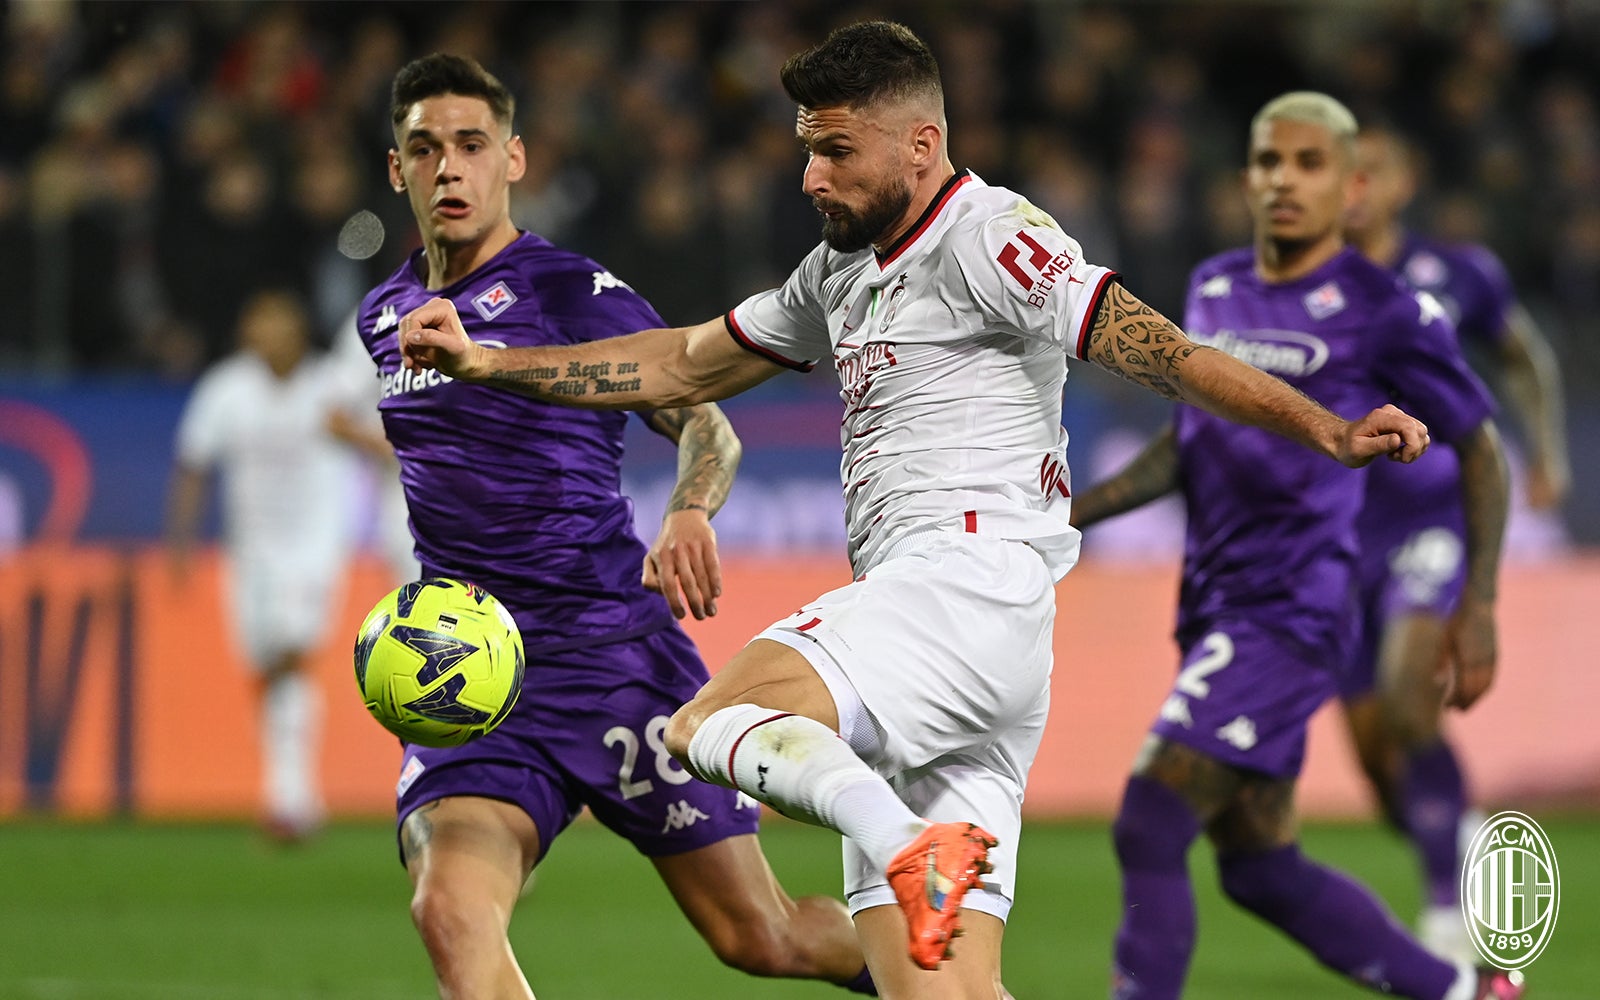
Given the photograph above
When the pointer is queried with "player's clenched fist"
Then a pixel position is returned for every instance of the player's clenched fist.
(431, 336)
(1388, 430)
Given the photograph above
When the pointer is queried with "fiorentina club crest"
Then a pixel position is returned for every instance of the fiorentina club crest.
(494, 300)
(1324, 301)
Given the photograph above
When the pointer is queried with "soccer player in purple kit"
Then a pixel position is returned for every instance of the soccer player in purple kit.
(1413, 526)
(904, 709)
(1266, 615)
(522, 498)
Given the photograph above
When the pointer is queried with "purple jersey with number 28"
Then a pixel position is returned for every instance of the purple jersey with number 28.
(524, 499)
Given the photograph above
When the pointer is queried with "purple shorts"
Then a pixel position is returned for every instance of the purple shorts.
(587, 731)
(1244, 695)
(1423, 574)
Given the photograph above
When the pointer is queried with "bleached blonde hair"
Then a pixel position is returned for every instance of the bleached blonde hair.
(1313, 108)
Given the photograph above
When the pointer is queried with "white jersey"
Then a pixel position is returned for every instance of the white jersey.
(951, 351)
(285, 481)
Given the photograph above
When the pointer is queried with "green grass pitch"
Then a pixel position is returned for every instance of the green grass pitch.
(211, 912)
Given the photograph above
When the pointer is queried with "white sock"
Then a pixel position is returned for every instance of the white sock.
(290, 729)
(804, 770)
(1466, 984)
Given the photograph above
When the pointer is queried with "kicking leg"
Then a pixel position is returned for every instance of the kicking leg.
(1334, 917)
(768, 725)
(468, 858)
(730, 895)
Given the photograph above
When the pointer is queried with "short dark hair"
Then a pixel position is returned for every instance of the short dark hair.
(442, 73)
(862, 64)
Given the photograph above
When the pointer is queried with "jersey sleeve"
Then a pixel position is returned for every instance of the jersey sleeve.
(1485, 320)
(1427, 372)
(1031, 279)
(788, 325)
(590, 303)
(202, 428)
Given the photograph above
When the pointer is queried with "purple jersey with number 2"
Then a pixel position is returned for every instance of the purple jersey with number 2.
(523, 498)
(1266, 612)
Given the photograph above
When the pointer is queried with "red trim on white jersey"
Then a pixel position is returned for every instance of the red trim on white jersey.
(743, 340)
(1094, 306)
(932, 212)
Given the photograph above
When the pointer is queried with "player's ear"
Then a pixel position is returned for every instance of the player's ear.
(519, 159)
(397, 180)
(925, 144)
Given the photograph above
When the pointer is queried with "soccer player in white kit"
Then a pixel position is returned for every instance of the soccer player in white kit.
(257, 418)
(904, 709)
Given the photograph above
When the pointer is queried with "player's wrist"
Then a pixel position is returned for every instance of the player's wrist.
(686, 506)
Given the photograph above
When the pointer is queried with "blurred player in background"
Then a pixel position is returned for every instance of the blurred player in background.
(905, 709)
(522, 498)
(1413, 532)
(257, 418)
(353, 418)
(1266, 617)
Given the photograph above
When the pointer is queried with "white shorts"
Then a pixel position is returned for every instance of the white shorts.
(938, 660)
(283, 603)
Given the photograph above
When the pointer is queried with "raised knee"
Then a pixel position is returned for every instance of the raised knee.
(681, 727)
(756, 948)
(443, 917)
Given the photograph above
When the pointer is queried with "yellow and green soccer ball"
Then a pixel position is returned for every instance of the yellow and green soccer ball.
(439, 662)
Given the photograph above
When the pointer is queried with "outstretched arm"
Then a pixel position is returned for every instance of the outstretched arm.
(684, 556)
(1533, 381)
(1470, 642)
(1152, 474)
(1134, 341)
(651, 369)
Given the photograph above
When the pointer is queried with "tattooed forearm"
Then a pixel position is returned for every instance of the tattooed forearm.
(416, 832)
(601, 378)
(1139, 344)
(708, 456)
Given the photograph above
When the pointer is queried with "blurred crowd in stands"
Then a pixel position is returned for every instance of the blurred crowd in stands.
(159, 161)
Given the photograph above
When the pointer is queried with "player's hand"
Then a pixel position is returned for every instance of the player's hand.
(1388, 430)
(682, 565)
(1470, 651)
(431, 336)
(1548, 485)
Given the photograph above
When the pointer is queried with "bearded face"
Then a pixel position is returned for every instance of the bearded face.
(848, 229)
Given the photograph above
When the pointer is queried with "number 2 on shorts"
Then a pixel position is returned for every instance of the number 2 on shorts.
(1218, 654)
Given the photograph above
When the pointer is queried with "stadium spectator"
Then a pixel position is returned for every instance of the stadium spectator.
(948, 308)
(1265, 615)
(257, 421)
(522, 498)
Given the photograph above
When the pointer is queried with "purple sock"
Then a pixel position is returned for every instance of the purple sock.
(1336, 919)
(1152, 834)
(1432, 798)
(862, 983)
